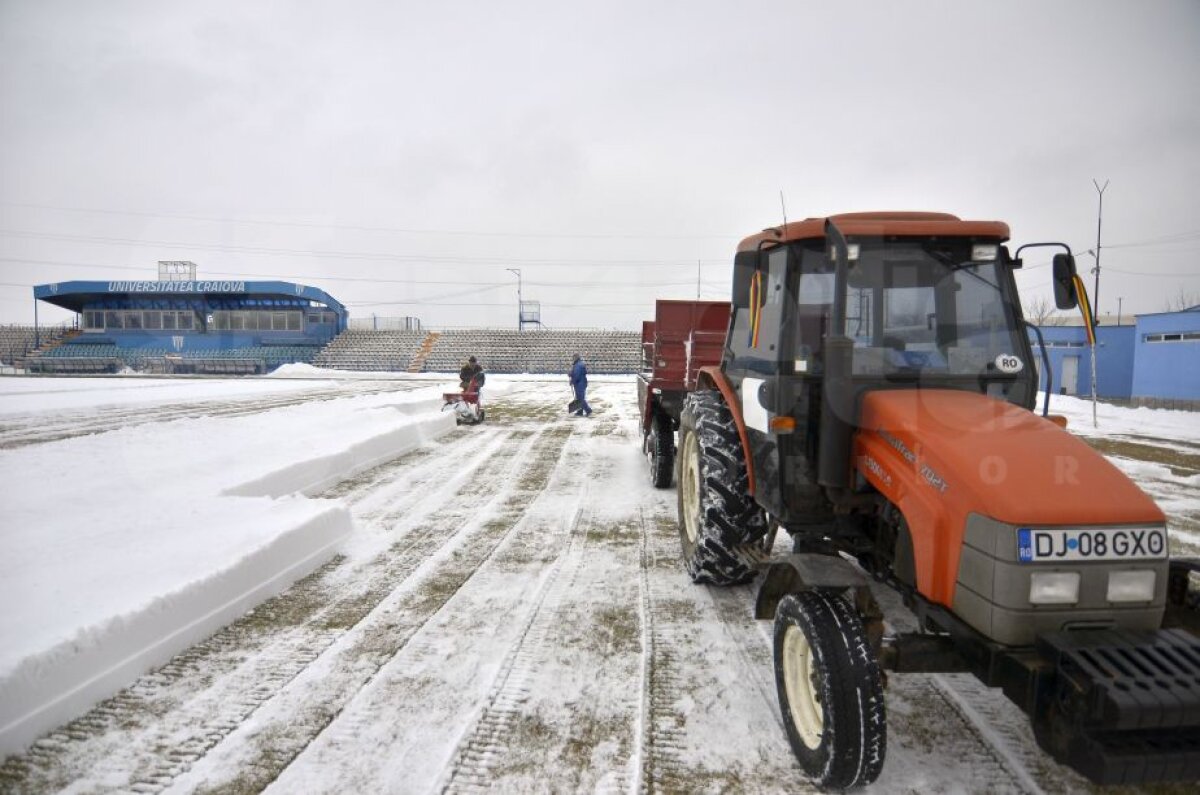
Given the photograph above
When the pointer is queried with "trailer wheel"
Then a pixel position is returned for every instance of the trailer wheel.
(830, 690)
(716, 512)
(662, 451)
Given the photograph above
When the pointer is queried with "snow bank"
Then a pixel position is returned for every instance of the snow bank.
(1166, 424)
(120, 549)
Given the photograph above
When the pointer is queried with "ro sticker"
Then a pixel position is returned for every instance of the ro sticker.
(1007, 363)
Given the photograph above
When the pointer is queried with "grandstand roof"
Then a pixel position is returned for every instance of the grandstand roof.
(75, 295)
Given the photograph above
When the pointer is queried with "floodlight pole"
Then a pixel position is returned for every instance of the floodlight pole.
(1096, 295)
(520, 323)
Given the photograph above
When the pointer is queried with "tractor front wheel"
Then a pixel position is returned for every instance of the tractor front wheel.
(830, 690)
(717, 514)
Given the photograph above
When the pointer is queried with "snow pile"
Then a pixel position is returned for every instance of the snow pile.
(120, 549)
(1164, 424)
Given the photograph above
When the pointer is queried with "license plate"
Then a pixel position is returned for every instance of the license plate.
(1110, 543)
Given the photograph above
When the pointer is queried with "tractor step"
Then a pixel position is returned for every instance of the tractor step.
(1124, 706)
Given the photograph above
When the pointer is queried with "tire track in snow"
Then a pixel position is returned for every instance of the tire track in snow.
(664, 767)
(487, 742)
(1007, 730)
(972, 745)
(315, 704)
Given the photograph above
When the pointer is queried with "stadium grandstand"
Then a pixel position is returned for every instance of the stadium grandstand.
(187, 326)
(190, 326)
(17, 343)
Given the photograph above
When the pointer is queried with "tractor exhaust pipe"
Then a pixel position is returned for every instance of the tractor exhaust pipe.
(837, 393)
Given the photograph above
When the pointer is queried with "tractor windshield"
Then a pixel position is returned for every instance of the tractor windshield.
(916, 308)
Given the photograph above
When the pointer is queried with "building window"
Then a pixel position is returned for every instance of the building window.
(1181, 336)
(183, 321)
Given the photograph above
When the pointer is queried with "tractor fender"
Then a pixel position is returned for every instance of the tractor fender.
(712, 377)
(813, 571)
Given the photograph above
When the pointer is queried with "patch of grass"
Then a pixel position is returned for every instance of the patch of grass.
(679, 610)
(291, 608)
(504, 413)
(621, 534)
(620, 630)
(535, 737)
(274, 750)
(374, 474)
(695, 779)
(1180, 463)
(587, 733)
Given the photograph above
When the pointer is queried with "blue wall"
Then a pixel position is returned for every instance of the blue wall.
(1115, 350)
(1168, 369)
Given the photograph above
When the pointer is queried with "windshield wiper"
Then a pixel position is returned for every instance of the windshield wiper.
(954, 267)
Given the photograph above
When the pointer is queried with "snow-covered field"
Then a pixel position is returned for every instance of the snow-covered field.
(318, 583)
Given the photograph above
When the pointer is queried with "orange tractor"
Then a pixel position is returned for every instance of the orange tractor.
(875, 399)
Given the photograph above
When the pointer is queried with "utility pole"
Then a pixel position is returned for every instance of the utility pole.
(520, 325)
(1096, 295)
(697, 280)
(1096, 270)
(1119, 302)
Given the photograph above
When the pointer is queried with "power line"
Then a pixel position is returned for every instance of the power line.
(358, 228)
(368, 279)
(1184, 275)
(360, 255)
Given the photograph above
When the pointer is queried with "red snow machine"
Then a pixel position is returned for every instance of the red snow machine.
(465, 405)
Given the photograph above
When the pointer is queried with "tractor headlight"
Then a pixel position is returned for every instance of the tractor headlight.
(1054, 588)
(1131, 586)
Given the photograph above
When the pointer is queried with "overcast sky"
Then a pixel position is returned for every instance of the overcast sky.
(404, 156)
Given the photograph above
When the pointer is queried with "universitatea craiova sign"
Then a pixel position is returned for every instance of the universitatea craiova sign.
(176, 287)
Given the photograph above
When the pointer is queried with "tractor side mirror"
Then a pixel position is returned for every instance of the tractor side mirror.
(1065, 296)
(744, 263)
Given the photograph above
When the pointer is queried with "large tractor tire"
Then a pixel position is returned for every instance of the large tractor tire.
(716, 512)
(830, 690)
(661, 449)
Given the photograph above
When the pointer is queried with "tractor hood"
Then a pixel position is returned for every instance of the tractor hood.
(980, 455)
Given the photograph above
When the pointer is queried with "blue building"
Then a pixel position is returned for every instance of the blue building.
(1156, 358)
(189, 326)
(1071, 360)
(1167, 355)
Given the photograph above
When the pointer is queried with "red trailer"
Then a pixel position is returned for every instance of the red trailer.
(683, 337)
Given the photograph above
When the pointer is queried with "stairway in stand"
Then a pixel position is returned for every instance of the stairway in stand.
(418, 362)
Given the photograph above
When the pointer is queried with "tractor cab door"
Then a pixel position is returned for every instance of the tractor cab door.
(757, 356)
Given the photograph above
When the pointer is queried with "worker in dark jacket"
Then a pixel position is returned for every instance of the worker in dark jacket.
(471, 376)
(579, 382)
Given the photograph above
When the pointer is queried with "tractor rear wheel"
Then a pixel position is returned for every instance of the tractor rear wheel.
(716, 512)
(830, 690)
(662, 451)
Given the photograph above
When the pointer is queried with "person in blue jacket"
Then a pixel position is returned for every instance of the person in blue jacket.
(579, 382)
